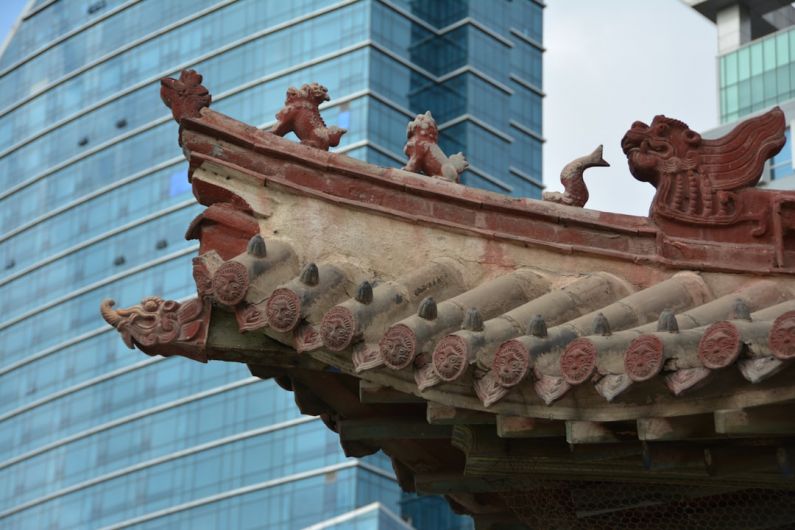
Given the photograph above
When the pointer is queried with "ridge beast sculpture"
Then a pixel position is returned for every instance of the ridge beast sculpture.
(575, 191)
(301, 115)
(424, 153)
(709, 184)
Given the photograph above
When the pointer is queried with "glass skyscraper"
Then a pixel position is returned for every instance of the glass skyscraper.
(94, 201)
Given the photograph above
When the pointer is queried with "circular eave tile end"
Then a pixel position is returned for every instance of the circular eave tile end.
(511, 363)
(398, 347)
(782, 336)
(643, 358)
(450, 358)
(720, 345)
(578, 362)
(283, 310)
(230, 283)
(337, 328)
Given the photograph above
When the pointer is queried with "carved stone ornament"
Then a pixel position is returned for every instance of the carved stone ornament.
(230, 283)
(489, 389)
(398, 347)
(550, 388)
(511, 363)
(720, 345)
(707, 183)
(307, 338)
(782, 336)
(685, 379)
(337, 328)
(578, 362)
(156, 322)
(575, 191)
(301, 115)
(643, 358)
(366, 357)
(424, 153)
(185, 96)
(283, 310)
(250, 317)
(449, 359)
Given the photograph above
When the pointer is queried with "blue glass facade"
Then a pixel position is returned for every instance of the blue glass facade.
(94, 202)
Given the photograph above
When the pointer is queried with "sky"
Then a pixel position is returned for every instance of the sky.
(607, 64)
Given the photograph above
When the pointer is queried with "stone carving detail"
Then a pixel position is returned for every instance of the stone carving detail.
(489, 390)
(578, 362)
(230, 283)
(511, 363)
(550, 388)
(366, 357)
(575, 191)
(337, 328)
(301, 115)
(449, 359)
(283, 310)
(250, 317)
(185, 96)
(203, 277)
(643, 358)
(720, 345)
(706, 182)
(782, 336)
(307, 338)
(398, 346)
(685, 379)
(425, 155)
(156, 321)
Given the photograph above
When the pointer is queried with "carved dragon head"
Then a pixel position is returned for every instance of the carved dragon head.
(423, 126)
(314, 93)
(733, 161)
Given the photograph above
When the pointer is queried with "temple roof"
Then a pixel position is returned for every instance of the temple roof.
(486, 343)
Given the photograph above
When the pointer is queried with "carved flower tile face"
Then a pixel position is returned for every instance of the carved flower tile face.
(337, 328)
(510, 363)
(283, 309)
(643, 359)
(230, 283)
(578, 361)
(450, 358)
(398, 347)
(782, 336)
(720, 345)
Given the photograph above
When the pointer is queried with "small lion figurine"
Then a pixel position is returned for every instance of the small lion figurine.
(424, 153)
(301, 115)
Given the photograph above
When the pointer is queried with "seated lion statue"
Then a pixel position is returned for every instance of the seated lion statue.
(301, 115)
(424, 153)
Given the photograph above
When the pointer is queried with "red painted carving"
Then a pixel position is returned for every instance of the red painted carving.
(230, 283)
(450, 358)
(250, 317)
(781, 338)
(301, 115)
(550, 388)
(307, 338)
(708, 183)
(424, 153)
(202, 277)
(685, 379)
(337, 328)
(366, 357)
(575, 191)
(643, 358)
(511, 363)
(283, 310)
(398, 347)
(157, 322)
(720, 345)
(578, 362)
(489, 390)
(185, 96)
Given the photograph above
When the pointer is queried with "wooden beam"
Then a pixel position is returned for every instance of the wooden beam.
(591, 432)
(394, 429)
(373, 393)
(520, 427)
(772, 420)
(438, 414)
(676, 428)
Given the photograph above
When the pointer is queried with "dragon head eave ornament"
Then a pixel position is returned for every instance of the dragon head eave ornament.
(707, 183)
